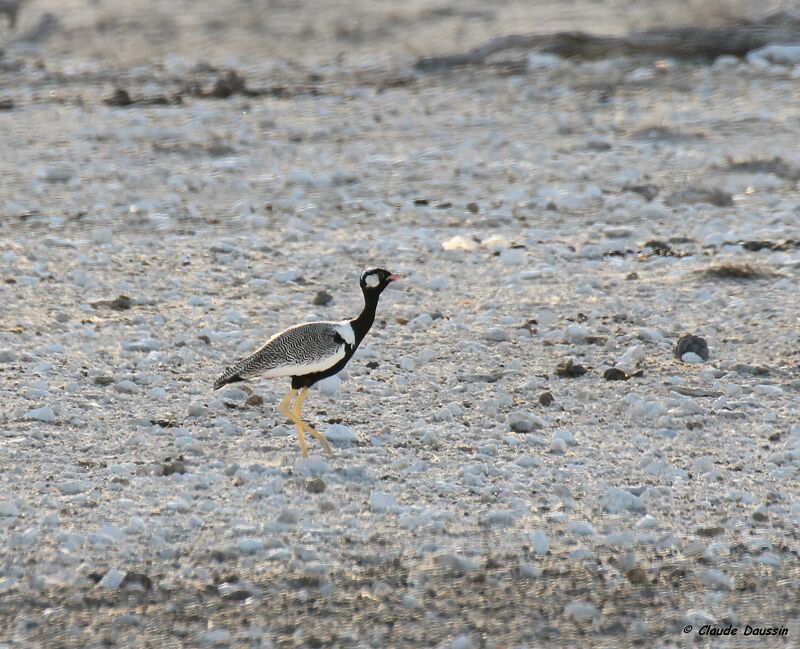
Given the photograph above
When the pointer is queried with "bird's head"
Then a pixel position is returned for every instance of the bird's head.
(374, 280)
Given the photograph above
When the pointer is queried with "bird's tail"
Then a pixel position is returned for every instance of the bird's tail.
(229, 376)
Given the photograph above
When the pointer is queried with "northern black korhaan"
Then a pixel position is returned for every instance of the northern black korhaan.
(310, 352)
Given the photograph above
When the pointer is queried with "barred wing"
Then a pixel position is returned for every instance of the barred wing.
(296, 351)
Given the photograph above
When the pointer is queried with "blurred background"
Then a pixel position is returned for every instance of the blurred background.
(289, 69)
(345, 32)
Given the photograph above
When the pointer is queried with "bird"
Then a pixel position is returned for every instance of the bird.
(310, 352)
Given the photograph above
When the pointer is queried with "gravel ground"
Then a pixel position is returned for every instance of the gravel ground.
(558, 224)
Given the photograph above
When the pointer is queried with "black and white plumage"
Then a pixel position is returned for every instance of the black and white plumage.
(310, 352)
(299, 351)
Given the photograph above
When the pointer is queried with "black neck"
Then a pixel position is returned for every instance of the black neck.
(364, 321)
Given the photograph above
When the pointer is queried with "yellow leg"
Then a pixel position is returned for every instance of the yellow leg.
(283, 408)
(298, 420)
(302, 438)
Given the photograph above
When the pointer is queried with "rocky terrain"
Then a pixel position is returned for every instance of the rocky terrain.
(522, 458)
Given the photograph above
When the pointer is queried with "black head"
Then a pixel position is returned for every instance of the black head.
(374, 280)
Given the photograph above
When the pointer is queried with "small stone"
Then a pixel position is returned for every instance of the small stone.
(760, 515)
(546, 398)
(473, 208)
(647, 522)
(691, 358)
(233, 592)
(112, 579)
(176, 466)
(693, 344)
(709, 532)
(454, 562)
(250, 545)
(528, 461)
(141, 345)
(315, 485)
(288, 516)
(648, 192)
(581, 528)
(137, 580)
(615, 374)
(616, 501)
(566, 436)
(462, 642)
(330, 385)
(715, 579)
(459, 242)
(311, 466)
(527, 571)
(775, 53)
(326, 505)
(695, 549)
(576, 333)
(430, 438)
(581, 611)
(769, 559)
(512, 256)
(126, 387)
(495, 243)
(637, 575)
(341, 435)
(216, 638)
(58, 173)
(619, 540)
(7, 356)
(381, 502)
(409, 601)
(44, 414)
(421, 322)
(695, 195)
(540, 542)
(498, 518)
(120, 98)
(523, 422)
(570, 369)
(698, 617)
(72, 487)
(254, 400)
(178, 505)
(406, 363)
(157, 393)
(497, 334)
(322, 298)
(288, 276)
(103, 381)
(197, 410)
(8, 509)
(234, 394)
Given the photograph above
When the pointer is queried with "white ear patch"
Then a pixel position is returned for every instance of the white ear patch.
(372, 280)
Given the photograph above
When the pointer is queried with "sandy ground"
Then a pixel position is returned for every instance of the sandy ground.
(540, 210)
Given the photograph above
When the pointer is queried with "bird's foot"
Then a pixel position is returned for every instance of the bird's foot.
(319, 437)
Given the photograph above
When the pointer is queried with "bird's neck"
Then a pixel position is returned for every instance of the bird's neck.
(364, 321)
